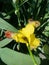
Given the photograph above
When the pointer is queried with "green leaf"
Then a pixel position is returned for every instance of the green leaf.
(46, 15)
(37, 59)
(5, 25)
(16, 5)
(11, 57)
(5, 42)
(46, 30)
(46, 50)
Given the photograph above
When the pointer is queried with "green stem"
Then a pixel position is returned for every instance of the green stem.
(32, 56)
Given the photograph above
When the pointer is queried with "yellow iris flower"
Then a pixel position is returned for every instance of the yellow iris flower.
(26, 35)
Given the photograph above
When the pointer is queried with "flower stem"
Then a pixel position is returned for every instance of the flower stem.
(32, 56)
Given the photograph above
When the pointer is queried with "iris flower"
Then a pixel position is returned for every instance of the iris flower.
(26, 35)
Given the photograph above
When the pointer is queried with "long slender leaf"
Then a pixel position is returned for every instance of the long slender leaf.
(11, 57)
(5, 42)
(5, 25)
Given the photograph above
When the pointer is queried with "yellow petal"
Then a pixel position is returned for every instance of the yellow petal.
(28, 30)
(34, 44)
(19, 37)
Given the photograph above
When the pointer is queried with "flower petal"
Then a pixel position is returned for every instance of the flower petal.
(28, 30)
(34, 44)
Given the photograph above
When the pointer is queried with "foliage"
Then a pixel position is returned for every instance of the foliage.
(14, 15)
